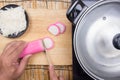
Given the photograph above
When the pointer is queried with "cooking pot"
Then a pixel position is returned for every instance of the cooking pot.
(97, 37)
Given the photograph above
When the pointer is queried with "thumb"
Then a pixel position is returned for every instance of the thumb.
(23, 64)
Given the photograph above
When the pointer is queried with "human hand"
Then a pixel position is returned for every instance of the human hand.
(10, 67)
(53, 75)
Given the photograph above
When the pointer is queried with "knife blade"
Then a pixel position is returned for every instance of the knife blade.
(46, 53)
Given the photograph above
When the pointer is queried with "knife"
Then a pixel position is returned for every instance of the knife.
(47, 56)
(46, 53)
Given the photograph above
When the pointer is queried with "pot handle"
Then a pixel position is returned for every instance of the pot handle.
(75, 10)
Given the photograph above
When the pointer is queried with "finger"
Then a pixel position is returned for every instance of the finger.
(61, 78)
(16, 49)
(8, 46)
(53, 75)
(23, 64)
(11, 47)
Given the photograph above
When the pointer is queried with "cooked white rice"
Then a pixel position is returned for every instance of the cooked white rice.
(12, 21)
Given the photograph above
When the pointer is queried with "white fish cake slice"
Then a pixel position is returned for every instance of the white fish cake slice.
(48, 42)
(53, 29)
(61, 26)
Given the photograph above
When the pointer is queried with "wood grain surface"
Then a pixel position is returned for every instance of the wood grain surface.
(39, 20)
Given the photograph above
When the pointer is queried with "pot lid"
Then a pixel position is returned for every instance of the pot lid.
(97, 40)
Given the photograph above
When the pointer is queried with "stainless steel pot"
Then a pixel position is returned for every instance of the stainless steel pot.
(97, 37)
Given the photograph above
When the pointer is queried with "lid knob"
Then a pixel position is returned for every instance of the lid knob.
(116, 41)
